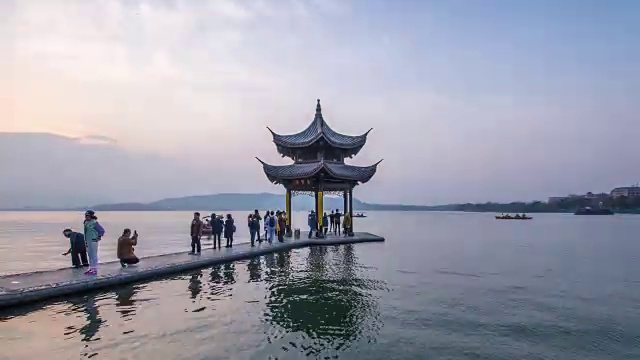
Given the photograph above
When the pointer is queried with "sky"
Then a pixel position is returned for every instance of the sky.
(469, 100)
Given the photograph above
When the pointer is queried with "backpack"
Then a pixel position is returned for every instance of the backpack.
(272, 221)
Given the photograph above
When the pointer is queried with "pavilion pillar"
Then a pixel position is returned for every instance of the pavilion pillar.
(351, 208)
(288, 210)
(345, 197)
(319, 212)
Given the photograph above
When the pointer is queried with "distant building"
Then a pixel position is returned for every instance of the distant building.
(628, 191)
(588, 196)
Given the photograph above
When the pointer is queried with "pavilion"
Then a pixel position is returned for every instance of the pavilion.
(318, 153)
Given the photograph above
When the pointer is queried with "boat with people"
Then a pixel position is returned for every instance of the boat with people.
(515, 217)
(359, 215)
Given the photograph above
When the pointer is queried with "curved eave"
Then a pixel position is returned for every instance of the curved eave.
(339, 171)
(311, 135)
(361, 174)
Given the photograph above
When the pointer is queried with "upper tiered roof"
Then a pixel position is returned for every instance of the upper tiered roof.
(316, 131)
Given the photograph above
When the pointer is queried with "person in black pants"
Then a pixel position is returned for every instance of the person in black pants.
(337, 228)
(216, 229)
(196, 233)
(229, 229)
(77, 248)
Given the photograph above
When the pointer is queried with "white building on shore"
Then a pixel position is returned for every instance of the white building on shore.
(628, 191)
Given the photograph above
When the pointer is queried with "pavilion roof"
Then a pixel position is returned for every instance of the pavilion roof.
(337, 170)
(316, 130)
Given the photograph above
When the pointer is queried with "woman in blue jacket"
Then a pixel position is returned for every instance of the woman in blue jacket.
(93, 233)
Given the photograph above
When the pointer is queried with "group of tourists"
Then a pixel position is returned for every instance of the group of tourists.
(86, 243)
(330, 223)
(83, 246)
(218, 226)
(275, 225)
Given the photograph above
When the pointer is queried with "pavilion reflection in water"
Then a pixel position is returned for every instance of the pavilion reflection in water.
(318, 299)
(327, 302)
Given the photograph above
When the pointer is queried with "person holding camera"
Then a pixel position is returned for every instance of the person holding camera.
(126, 242)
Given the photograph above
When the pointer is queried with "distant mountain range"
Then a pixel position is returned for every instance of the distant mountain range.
(262, 201)
(230, 202)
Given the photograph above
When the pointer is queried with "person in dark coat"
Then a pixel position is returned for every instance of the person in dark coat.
(312, 222)
(229, 229)
(258, 218)
(196, 234)
(77, 248)
(216, 230)
(325, 224)
(254, 227)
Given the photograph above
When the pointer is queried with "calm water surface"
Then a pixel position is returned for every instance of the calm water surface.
(443, 286)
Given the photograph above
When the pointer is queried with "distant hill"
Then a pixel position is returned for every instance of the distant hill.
(229, 202)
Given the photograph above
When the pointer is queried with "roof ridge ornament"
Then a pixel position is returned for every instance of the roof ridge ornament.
(318, 118)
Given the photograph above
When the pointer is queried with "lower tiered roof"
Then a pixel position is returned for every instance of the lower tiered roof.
(333, 169)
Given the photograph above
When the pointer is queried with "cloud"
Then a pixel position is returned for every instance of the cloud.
(452, 95)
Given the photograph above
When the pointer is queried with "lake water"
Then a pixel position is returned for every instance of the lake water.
(443, 286)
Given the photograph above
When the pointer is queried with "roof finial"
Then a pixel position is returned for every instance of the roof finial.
(318, 108)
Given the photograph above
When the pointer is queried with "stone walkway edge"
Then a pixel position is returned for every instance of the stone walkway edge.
(20, 289)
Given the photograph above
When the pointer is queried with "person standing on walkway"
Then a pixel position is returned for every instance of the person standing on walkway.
(312, 222)
(348, 225)
(77, 248)
(266, 225)
(196, 233)
(325, 224)
(216, 229)
(126, 242)
(332, 221)
(93, 233)
(287, 227)
(271, 227)
(282, 226)
(254, 227)
(337, 216)
(258, 218)
(229, 229)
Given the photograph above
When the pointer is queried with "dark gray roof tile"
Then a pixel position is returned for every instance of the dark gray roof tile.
(338, 170)
(320, 129)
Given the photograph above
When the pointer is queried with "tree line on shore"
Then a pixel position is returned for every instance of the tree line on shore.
(570, 204)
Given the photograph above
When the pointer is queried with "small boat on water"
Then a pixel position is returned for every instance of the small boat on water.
(359, 215)
(589, 211)
(516, 217)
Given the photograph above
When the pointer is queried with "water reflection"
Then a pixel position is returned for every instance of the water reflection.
(195, 284)
(94, 321)
(317, 302)
(254, 268)
(229, 274)
(326, 302)
(125, 303)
